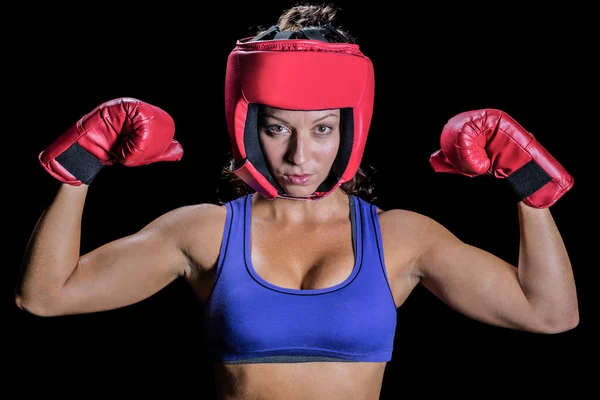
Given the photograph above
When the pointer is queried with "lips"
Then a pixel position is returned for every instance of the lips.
(300, 179)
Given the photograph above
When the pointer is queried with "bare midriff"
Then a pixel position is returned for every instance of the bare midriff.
(300, 381)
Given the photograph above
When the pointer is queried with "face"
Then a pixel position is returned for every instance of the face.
(299, 146)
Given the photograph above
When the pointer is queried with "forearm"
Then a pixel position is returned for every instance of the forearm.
(545, 270)
(53, 250)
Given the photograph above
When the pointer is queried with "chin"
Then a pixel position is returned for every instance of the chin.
(299, 191)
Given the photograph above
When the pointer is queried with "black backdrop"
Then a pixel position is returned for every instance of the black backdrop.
(431, 62)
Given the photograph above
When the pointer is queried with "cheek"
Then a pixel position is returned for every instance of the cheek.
(330, 150)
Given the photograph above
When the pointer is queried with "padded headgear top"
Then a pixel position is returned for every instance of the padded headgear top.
(297, 71)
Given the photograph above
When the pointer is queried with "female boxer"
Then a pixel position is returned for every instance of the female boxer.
(289, 270)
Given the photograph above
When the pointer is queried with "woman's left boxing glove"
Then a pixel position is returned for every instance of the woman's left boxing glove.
(489, 141)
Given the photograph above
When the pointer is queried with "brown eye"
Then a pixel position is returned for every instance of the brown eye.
(323, 129)
(275, 129)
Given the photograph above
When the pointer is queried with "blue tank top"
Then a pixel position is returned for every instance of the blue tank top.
(249, 320)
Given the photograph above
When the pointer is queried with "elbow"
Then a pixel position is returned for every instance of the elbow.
(38, 308)
(563, 324)
(570, 323)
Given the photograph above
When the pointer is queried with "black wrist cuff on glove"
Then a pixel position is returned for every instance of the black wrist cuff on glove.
(80, 163)
(528, 179)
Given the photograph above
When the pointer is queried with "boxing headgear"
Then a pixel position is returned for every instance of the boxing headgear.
(297, 71)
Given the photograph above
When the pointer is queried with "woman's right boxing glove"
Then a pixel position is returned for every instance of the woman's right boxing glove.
(123, 130)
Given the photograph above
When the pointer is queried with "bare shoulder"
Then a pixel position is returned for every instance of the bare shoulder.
(407, 235)
(401, 222)
(181, 220)
(198, 230)
(188, 216)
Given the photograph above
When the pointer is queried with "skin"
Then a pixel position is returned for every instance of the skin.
(297, 143)
(310, 242)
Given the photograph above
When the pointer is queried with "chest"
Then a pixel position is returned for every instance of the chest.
(311, 257)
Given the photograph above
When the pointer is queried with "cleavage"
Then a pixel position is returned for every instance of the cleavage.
(303, 259)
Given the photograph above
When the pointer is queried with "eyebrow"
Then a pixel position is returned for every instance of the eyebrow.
(284, 121)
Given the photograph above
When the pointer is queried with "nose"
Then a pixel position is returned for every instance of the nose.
(298, 148)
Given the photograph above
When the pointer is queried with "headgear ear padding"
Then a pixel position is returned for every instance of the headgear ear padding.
(297, 74)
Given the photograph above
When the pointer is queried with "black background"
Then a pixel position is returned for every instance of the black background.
(431, 62)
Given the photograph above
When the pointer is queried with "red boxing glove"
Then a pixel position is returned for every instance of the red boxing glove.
(489, 141)
(123, 130)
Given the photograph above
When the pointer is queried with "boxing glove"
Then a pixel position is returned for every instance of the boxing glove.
(123, 130)
(488, 141)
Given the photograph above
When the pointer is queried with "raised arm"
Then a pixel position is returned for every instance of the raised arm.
(54, 279)
(539, 294)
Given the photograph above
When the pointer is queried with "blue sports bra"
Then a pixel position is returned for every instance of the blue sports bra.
(249, 320)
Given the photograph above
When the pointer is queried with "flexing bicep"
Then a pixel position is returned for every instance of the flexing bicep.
(130, 269)
(122, 272)
(474, 282)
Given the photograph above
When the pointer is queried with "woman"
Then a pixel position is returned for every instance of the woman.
(300, 275)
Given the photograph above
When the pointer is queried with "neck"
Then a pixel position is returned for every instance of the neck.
(302, 211)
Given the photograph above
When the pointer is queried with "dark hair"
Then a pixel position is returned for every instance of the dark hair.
(313, 15)
(294, 19)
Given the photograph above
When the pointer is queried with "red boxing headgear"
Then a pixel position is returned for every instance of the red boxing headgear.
(290, 72)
